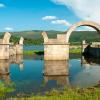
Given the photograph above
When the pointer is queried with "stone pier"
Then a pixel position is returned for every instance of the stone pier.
(84, 46)
(4, 46)
(56, 49)
(19, 47)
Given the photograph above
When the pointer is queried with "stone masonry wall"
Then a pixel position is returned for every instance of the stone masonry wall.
(55, 49)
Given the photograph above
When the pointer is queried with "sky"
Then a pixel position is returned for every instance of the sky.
(23, 15)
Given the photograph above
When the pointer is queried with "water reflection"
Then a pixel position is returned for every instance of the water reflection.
(89, 75)
(5, 67)
(61, 80)
(82, 73)
(89, 60)
(56, 70)
(17, 59)
(28, 78)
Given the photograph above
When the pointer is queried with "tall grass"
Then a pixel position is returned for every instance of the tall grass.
(67, 94)
(4, 89)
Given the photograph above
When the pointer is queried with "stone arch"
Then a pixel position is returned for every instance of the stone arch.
(44, 34)
(82, 23)
(6, 38)
(21, 40)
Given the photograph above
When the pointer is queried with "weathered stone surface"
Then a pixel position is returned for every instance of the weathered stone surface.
(4, 51)
(55, 49)
(21, 41)
(58, 49)
(56, 52)
(4, 46)
(6, 39)
(8, 49)
(17, 48)
(12, 50)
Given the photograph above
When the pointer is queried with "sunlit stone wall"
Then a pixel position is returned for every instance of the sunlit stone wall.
(4, 46)
(4, 51)
(56, 49)
(17, 49)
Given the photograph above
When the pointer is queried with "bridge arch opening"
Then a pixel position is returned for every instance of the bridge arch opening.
(79, 24)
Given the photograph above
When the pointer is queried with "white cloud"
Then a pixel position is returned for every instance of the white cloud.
(2, 5)
(61, 22)
(85, 28)
(8, 28)
(49, 18)
(85, 9)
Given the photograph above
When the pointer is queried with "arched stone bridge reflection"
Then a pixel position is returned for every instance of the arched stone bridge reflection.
(5, 67)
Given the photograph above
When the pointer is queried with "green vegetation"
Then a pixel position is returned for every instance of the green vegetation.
(35, 37)
(75, 50)
(67, 94)
(4, 89)
(78, 36)
(32, 52)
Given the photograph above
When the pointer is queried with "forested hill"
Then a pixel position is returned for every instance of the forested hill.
(35, 37)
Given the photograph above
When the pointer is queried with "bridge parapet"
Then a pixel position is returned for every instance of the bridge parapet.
(61, 39)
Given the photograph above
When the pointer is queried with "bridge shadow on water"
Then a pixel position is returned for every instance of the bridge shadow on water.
(92, 52)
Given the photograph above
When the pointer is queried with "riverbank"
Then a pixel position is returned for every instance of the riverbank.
(32, 52)
(67, 94)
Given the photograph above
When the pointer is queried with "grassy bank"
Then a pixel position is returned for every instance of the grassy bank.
(4, 89)
(32, 52)
(67, 94)
(75, 50)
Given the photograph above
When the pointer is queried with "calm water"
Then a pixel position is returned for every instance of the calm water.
(28, 74)
(34, 47)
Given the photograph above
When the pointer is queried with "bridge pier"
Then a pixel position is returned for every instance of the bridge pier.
(4, 46)
(84, 45)
(56, 49)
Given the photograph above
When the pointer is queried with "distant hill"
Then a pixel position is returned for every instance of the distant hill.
(35, 34)
(35, 37)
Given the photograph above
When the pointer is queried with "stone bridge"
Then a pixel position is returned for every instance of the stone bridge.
(58, 49)
(8, 49)
(55, 49)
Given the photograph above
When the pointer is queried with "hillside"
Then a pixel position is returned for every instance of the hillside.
(35, 37)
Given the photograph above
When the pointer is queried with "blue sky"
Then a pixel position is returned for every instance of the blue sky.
(21, 15)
